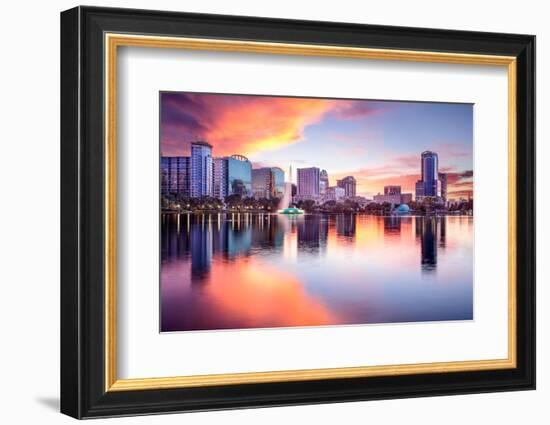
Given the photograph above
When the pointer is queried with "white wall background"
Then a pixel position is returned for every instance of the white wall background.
(29, 213)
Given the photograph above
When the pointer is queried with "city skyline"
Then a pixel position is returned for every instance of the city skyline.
(376, 142)
(202, 174)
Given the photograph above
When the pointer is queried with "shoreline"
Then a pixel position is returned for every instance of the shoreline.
(411, 214)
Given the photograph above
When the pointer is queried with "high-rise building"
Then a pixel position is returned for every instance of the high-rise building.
(323, 182)
(334, 193)
(406, 198)
(262, 182)
(392, 190)
(419, 190)
(308, 182)
(219, 178)
(349, 184)
(201, 169)
(392, 195)
(278, 189)
(443, 180)
(429, 176)
(175, 175)
(239, 176)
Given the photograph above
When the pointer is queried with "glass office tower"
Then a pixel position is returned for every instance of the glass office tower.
(239, 176)
(201, 169)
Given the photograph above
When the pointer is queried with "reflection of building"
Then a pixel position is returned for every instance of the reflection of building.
(207, 235)
(239, 176)
(312, 233)
(308, 182)
(392, 195)
(174, 236)
(239, 239)
(442, 232)
(201, 251)
(267, 234)
(349, 184)
(429, 243)
(429, 184)
(323, 182)
(201, 169)
(335, 193)
(427, 229)
(345, 225)
(392, 225)
(174, 175)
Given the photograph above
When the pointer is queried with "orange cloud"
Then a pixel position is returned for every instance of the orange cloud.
(264, 124)
(244, 124)
(236, 124)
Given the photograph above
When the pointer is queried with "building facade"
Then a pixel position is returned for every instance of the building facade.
(219, 178)
(392, 195)
(334, 193)
(390, 199)
(392, 190)
(202, 175)
(308, 182)
(406, 198)
(201, 169)
(239, 176)
(429, 185)
(278, 182)
(174, 177)
(349, 184)
(419, 190)
(443, 180)
(263, 183)
(323, 182)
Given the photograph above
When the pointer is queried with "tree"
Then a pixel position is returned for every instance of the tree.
(307, 205)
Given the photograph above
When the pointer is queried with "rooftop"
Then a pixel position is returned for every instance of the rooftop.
(201, 143)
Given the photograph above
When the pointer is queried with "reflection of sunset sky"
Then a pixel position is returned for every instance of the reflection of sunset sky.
(377, 142)
(246, 292)
(364, 270)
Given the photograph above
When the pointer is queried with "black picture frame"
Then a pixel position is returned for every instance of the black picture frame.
(83, 392)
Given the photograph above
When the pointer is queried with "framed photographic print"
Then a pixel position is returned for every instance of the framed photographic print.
(261, 212)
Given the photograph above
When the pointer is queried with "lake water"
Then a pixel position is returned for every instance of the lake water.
(234, 271)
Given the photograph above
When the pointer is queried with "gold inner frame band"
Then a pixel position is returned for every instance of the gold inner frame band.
(113, 41)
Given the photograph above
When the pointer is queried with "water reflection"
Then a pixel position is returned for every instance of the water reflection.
(223, 271)
(345, 225)
(312, 233)
(392, 225)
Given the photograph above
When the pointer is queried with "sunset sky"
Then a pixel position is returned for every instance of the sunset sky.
(377, 142)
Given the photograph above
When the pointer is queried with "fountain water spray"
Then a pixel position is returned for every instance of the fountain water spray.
(284, 204)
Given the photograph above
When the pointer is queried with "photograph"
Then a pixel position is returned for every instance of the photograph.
(284, 210)
(280, 211)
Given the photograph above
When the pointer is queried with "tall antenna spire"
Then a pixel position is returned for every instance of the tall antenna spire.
(290, 173)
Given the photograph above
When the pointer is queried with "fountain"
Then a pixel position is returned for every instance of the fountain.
(284, 204)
